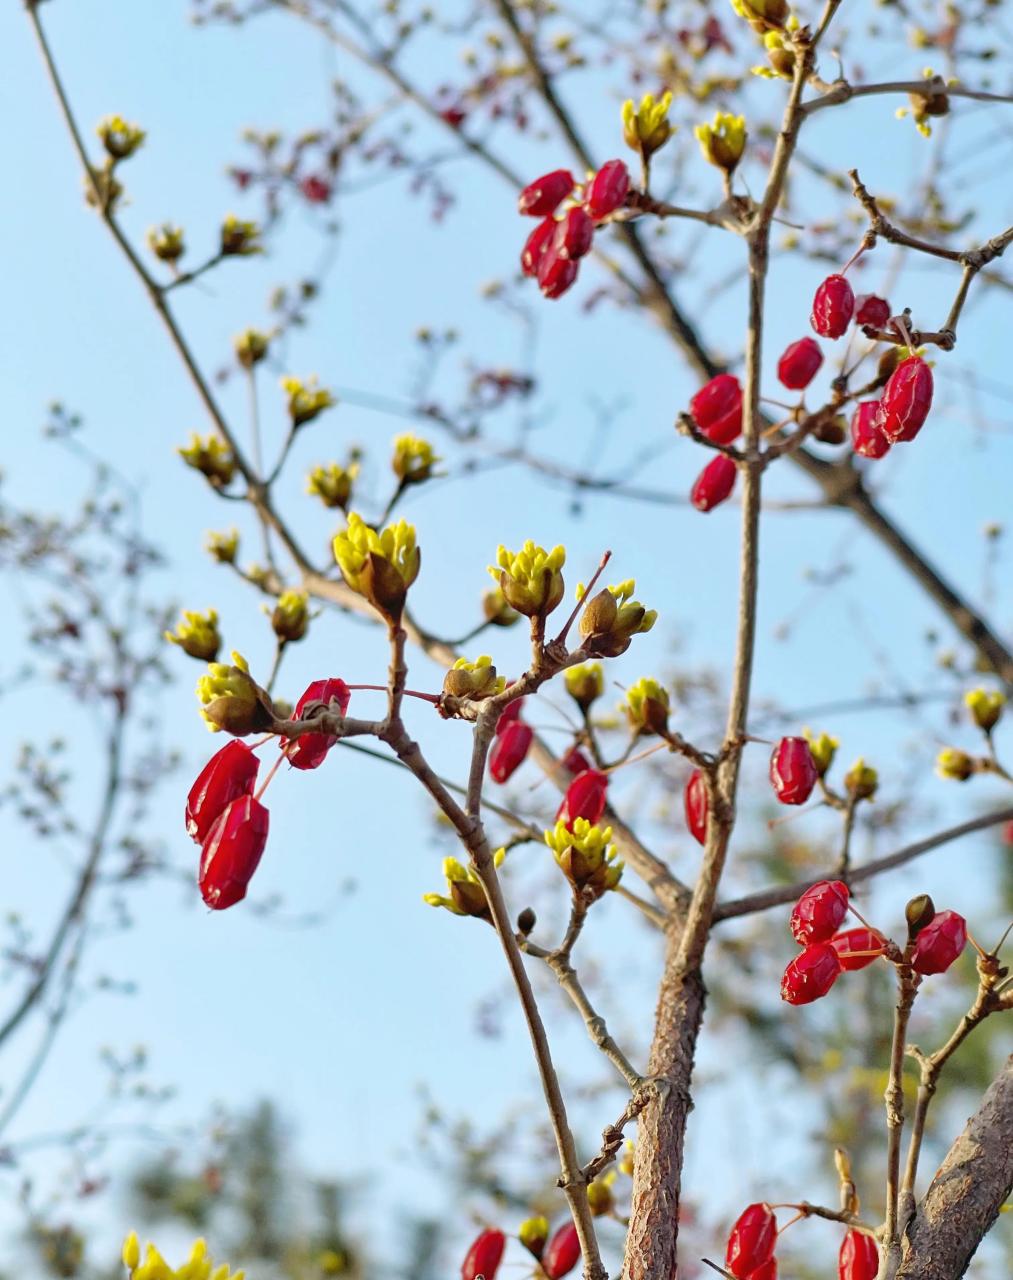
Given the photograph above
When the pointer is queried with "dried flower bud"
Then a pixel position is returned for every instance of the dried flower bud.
(918, 913)
(526, 921)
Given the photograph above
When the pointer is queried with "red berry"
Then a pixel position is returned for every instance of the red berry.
(751, 1240)
(545, 194)
(811, 974)
(574, 233)
(585, 798)
(555, 274)
(454, 116)
(510, 713)
(231, 852)
(483, 1258)
(799, 364)
(717, 408)
(695, 805)
(852, 940)
(866, 437)
(562, 1253)
(833, 307)
(509, 749)
(872, 311)
(793, 772)
(907, 399)
(767, 1272)
(859, 1257)
(535, 246)
(315, 189)
(575, 761)
(819, 911)
(607, 190)
(939, 943)
(310, 751)
(714, 483)
(229, 774)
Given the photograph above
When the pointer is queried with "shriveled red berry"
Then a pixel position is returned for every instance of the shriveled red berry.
(510, 713)
(535, 246)
(874, 311)
(858, 1258)
(751, 1240)
(509, 749)
(811, 974)
(585, 798)
(562, 1253)
(906, 401)
(799, 364)
(229, 774)
(939, 943)
(867, 437)
(607, 190)
(575, 761)
(310, 751)
(856, 940)
(819, 911)
(232, 851)
(574, 233)
(793, 772)
(484, 1256)
(717, 408)
(714, 483)
(316, 190)
(767, 1272)
(545, 194)
(695, 805)
(555, 274)
(833, 307)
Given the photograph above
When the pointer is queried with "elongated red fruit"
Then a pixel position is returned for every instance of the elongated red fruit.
(714, 483)
(574, 233)
(793, 772)
(575, 761)
(536, 244)
(229, 774)
(717, 408)
(751, 1240)
(799, 364)
(310, 751)
(867, 437)
(858, 1258)
(510, 713)
(906, 401)
(232, 852)
(818, 913)
(768, 1271)
(860, 940)
(555, 274)
(607, 190)
(484, 1256)
(939, 943)
(585, 798)
(871, 310)
(545, 194)
(695, 806)
(562, 1253)
(833, 307)
(811, 974)
(509, 749)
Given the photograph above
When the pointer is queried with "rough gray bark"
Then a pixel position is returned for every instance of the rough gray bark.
(964, 1197)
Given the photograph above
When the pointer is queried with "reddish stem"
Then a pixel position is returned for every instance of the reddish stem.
(267, 781)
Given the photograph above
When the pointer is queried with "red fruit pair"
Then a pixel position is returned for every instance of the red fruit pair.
(833, 307)
(484, 1256)
(695, 806)
(799, 364)
(867, 436)
(819, 912)
(585, 798)
(714, 483)
(858, 1258)
(751, 1244)
(907, 399)
(310, 751)
(717, 408)
(939, 943)
(793, 772)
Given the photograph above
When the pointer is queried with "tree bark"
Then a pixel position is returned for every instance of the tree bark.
(964, 1197)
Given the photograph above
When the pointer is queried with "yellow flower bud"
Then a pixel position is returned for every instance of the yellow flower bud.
(232, 700)
(625, 1165)
(600, 1197)
(467, 897)
(379, 566)
(612, 618)
(239, 238)
(585, 683)
(166, 242)
(120, 139)
(223, 547)
(212, 457)
(291, 615)
(724, 141)
(533, 1233)
(131, 1251)
(332, 484)
(197, 635)
(530, 579)
(823, 749)
(476, 679)
(413, 459)
(954, 764)
(762, 14)
(646, 128)
(251, 347)
(306, 400)
(861, 780)
(585, 856)
(647, 707)
(985, 707)
(198, 1266)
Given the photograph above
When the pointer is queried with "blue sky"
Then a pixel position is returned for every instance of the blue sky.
(341, 1023)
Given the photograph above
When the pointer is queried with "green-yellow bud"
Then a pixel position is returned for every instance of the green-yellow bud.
(954, 764)
(985, 707)
(476, 679)
(861, 780)
(379, 566)
(585, 856)
(291, 615)
(647, 707)
(197, 635)
(530, 579)
(823, 748)
(585, 684)
(232, 700)
(724, 141)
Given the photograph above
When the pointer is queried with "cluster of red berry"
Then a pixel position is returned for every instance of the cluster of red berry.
(556, 1258)
(552, 251)
(752, 1240)
(225, 817)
